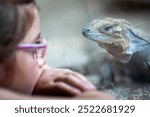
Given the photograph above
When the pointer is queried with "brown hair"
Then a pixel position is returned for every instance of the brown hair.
(12, 26)
(17, 1)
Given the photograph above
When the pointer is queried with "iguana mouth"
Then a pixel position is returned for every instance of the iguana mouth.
(97, 37)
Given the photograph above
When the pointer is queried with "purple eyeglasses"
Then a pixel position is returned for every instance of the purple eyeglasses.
(38, 50)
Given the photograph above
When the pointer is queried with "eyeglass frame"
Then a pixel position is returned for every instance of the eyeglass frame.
(28, 46)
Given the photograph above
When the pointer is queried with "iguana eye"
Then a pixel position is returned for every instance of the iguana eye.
(108, 28)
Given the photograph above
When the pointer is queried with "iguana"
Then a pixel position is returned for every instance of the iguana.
(130, 49)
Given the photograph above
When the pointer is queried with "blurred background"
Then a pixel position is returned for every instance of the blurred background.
(62, 22)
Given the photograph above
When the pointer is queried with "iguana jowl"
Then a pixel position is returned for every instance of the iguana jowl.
(130, 48)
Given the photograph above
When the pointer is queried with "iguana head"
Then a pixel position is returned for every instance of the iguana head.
(113, 35)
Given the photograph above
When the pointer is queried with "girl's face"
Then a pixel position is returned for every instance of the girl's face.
(26, 70)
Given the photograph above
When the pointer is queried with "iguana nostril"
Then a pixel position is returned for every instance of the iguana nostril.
(85, 31)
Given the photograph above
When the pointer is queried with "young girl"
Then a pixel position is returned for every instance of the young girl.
(23, 69)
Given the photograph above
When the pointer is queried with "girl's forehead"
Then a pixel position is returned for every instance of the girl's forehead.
(34, 29)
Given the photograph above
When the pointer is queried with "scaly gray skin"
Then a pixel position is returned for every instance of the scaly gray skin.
(130, 48)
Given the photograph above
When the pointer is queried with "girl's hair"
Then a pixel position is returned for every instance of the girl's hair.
(13, 26)
(17, 1)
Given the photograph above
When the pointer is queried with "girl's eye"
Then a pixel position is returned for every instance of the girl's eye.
(38, 42)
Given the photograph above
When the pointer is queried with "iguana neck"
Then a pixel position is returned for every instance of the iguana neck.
(143, 55)
(139, 47)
